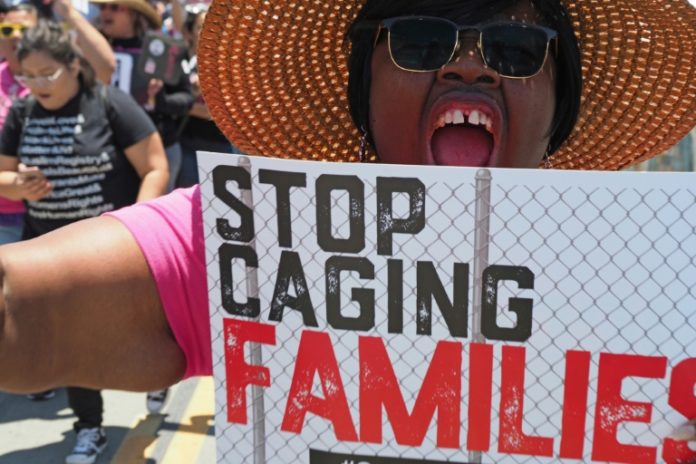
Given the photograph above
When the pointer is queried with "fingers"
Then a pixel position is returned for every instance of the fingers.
(154, 86)
(32, 182)
(686, 432)
(36, 189)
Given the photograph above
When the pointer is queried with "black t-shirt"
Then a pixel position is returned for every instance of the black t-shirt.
(80, 150)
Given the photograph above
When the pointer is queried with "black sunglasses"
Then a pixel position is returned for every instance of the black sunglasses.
(426, 43)
(113, 7)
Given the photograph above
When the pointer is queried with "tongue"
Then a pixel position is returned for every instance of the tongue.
(462, 146)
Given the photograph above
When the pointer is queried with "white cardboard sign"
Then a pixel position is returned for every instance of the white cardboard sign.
(364, 313)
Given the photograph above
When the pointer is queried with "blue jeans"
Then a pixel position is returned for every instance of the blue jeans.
(189, 167)
(11, 226)
(174, 160)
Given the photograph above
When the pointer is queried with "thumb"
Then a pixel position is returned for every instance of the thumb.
(21, 167)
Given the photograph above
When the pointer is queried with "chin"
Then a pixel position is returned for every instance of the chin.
(48, 103)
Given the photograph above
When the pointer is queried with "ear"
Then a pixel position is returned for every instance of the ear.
(75, 67)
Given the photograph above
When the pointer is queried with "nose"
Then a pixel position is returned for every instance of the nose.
(468, 66)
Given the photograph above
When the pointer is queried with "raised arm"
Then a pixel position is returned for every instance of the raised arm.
(94, 46)
(178, 15)
(79, 307)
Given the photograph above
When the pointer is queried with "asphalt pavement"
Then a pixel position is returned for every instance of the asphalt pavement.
(41, 432)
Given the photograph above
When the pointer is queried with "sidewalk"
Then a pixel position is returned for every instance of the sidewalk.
(41, 432)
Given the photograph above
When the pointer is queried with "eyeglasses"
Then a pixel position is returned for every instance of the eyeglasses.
(425, 43)
(113, 7)
(39, 81)
(7, 30)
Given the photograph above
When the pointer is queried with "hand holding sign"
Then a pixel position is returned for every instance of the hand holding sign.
(153, 88)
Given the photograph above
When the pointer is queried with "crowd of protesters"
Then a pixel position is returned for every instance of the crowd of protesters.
(89, 125)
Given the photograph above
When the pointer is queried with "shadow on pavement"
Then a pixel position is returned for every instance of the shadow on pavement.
(15, 408)
(19, 407)
(54, 453)
(202, 424)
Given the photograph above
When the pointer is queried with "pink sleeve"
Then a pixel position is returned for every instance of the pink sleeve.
(169, 231)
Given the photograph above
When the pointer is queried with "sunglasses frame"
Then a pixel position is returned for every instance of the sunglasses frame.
(112, 7)
(389, 22)
(14, 28)
(45, 80)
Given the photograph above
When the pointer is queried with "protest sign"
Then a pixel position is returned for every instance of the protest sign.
(364, 313)
(161, 57)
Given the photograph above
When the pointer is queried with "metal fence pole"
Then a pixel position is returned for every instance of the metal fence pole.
(257, 400)
(481, 241)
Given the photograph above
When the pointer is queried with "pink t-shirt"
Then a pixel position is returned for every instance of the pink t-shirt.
(169, 231)
(10, 89)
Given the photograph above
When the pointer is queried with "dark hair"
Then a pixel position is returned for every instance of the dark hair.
(25, 7)
(49, 38)
(568, 79)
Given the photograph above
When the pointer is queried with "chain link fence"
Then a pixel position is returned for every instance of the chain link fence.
(614, 267)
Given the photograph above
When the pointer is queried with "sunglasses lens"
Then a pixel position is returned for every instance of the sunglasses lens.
(422, 44)
(7, 31)
(514, 51)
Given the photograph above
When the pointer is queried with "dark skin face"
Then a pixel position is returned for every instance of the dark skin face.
(406, 108)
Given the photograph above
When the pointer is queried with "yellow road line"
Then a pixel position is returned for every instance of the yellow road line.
(139, 441)
(187, 442)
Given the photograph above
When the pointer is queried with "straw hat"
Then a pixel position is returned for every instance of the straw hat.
(274, 76)
(141, 6)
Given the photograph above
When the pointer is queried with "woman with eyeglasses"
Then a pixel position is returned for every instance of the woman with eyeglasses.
(125, 23)
(73, 150)
(439, 82)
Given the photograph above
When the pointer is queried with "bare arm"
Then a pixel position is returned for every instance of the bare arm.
(150, 162)
(178, 15)
(93, 44)
(80, 307)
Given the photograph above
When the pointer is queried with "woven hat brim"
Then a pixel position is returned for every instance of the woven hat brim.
(140, 6)
(274, 76)
(639, 81)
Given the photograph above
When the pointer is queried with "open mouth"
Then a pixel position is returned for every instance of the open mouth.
(465, 134)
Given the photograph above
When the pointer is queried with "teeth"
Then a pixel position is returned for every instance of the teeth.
(475, 118)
